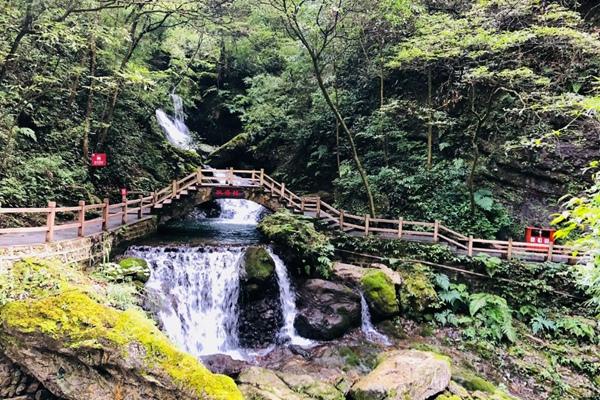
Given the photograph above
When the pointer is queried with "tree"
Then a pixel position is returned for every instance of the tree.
(316, 26)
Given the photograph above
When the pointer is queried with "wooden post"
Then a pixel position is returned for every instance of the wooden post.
(80, 230)
(342, 219)
(199, 176)
(400, 227)
(262, 177)
(302, 204)
(436, 231)
(50, 221)
(231, 176)
(550, 249)
(105, 215)
(154, 197)
(141, 210)
(367, 222)
(509, 250)
(174, 188)
(283, 190)
(470, 246)
(124, 216)
(318, 207)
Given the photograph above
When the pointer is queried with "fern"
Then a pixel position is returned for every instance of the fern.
(493, 316)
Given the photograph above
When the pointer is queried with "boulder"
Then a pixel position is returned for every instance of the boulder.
(263, 384)
(351, 275)
(380, 294)
(135, 268)
(418, 291)
(224, 365)
(326, 310)
(405, 374)
(258, 265)
(79, 349)
(260, 315)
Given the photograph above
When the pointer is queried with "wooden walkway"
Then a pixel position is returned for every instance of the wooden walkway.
(84, 220)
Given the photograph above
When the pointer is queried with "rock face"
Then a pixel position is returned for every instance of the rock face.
(404, 374)
(80, 349)
(262, 384)
(17, 383)
(326, 310)
(380, 293)
(260, 316)
(351, 275)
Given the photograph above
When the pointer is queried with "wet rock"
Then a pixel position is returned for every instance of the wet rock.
(380, 293)
(326, 310)
(351, 275)
(260, 315)
(135, 268)
(225, 365)
(404, 374)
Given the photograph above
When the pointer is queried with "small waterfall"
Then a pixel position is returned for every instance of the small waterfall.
(288, 304)
(196, 290)
(367, 326)
(240, 212)
(175, 129)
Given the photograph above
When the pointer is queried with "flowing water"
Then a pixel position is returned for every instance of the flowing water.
(367, 325)
(174, 127)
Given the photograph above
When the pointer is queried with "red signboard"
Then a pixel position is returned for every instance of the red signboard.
(123, 192)
(535, 236)
(98, 160)
(229, 193)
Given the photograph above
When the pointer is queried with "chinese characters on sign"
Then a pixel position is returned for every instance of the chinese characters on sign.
(229, 193)
(98, 160)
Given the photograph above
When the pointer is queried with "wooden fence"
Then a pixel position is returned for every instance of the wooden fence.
(433, 232)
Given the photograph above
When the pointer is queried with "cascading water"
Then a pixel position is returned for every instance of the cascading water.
(367, 325)
(241, 212)
(196, 292)
(288, 304)
(176, 131)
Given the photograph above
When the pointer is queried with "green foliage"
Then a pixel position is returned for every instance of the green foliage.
(298, 235)
(492, 317)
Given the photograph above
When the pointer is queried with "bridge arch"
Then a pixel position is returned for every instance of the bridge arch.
(186, 204)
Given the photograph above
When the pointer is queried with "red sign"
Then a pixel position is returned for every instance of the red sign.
(98, 160)
(229, 193)
(123, 192)
(542, 236)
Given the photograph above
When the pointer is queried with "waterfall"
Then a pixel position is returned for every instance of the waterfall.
(367, 326)
(175, 129)
(196, 292)
(241, 212)
(288, 304)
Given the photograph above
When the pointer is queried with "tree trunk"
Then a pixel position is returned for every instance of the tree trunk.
(384, 134)
(24, 29)
(90, 100)
(337, 123)
(344, 126)
(430, 121)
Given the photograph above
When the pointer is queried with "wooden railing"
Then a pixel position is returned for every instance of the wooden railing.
(434, 232)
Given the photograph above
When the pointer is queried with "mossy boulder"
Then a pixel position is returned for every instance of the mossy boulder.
(479, 387)
(380, 293)
(135, 268)
(418, 291)
(258, 264)
(233, 150)
(405, 374)
(102, 353)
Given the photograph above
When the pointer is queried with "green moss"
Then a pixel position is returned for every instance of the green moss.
(137, 268)
(418, 292)
(76, 320)
(448, 396)
(380, 293)
(258, 264)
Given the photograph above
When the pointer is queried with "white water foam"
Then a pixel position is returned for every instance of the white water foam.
(367, 325)
(288, 304)
(175, 129)
(239, 211)
(196, 290)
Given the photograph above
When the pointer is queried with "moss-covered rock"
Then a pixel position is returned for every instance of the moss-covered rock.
(479, 387)
(75, 334)
(417, 292)
(258, 264)
(231, 151)
(136, 268)
(380, 293)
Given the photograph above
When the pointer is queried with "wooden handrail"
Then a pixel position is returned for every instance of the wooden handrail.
(202, 177)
